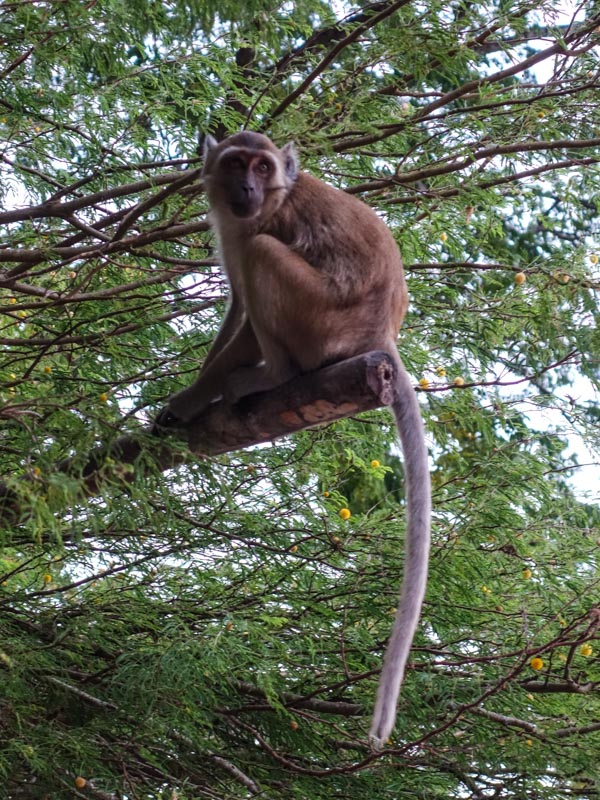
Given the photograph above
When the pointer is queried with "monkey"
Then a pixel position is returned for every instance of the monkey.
(315, 277)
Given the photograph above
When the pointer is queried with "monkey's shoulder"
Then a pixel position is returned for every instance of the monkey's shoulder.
(308, 190)
(316, 210)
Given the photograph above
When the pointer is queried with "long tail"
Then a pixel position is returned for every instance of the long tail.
(418, 502)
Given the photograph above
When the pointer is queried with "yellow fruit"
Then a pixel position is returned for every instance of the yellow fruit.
(12, 300)
(37, 472)
(229, 626)
(12, 376)
(294, 725)
(440, 372)
(443, 237)
(375, 463)
(80, 782)
(459, 381)
(586, 650)
(345, 513)
(335, 540)
(325, 494)
(47, 578)
(294, 548)
(536, 663)
(594, 258)
(520, 278)
(528, 742)
(562, 277)
(22, 314)
(103, 397)
(423, 383)
(527, 574)
(47, 370)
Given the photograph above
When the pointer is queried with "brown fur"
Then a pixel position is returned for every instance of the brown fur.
(315, 277)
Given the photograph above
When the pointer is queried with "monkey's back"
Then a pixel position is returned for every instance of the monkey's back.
(344, 238)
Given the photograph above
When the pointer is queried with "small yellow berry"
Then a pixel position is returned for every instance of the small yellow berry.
(47, 370)
(440, 372)
(229, 626)
(586, 650)
(47, 578)
(335, 540)
(443, 237)
(520, 278)
(536, 663)
(72, 275)
(326, 494)
(37, 472)
(594, 258)
(562, 277)
(527, 574)
(528, 742)
(561, 621)
(345, 513)
(21, 314)
(80, 782)
(375, 463)
(423, 383)
(103, 397)
(294, 725)
(294, 548)
(12, 376)
(541, 114)
(485, 590)
(12, 300)
(459, 381)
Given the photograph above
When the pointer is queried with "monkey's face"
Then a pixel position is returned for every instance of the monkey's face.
(247, 177)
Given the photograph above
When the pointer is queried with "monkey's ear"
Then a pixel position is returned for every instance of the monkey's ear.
(290, 160)
(209, 144)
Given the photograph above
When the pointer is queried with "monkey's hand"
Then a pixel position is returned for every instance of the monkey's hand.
(164, 420)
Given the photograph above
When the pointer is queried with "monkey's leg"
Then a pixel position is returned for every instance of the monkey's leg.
(241, 350)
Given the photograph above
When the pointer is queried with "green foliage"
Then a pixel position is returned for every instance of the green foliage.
(214, 630)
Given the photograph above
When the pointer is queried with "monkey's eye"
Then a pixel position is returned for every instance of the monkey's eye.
(264, 167)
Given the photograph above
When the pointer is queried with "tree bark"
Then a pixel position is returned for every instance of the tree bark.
(361, 383)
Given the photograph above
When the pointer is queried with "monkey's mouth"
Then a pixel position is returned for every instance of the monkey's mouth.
(244, 210)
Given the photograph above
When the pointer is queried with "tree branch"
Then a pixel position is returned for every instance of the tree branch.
(358, 384)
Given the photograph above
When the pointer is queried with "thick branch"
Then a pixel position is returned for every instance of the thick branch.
(358, 384)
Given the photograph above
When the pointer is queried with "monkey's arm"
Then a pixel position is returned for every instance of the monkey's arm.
(231, 323)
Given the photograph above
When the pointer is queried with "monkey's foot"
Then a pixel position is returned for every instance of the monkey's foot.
(251, 380)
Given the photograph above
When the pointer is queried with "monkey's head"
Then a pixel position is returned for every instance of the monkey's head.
(246, 176)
